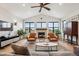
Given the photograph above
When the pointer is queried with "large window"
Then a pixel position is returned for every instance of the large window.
(26, 25)
(29, 26)
(41, 25)
(53, 26)
(38, 25)
(56, 26)
(50, 26)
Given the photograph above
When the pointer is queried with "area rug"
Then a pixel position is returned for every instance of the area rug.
(43, 51)
(62, 51)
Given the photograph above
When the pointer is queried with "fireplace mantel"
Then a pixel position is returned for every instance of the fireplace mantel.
(41, 29)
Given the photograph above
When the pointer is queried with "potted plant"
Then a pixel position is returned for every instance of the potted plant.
(21, 33)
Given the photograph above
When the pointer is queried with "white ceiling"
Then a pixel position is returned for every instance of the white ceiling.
(56, 10)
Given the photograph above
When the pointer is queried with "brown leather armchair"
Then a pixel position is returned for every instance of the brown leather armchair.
(32, 37)
(52, 37)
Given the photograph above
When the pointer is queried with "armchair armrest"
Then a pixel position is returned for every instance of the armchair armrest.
(27, 37)
(35, 37)
(48, 37)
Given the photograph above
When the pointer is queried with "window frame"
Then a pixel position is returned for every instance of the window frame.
(53, 25)
(41, 24)
(29, 28)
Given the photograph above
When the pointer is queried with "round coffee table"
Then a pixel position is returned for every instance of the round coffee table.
(46, 44)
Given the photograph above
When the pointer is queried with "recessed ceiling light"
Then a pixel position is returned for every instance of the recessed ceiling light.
(23, 5)
(60, 4)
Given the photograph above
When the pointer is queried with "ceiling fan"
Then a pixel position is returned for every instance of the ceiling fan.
(42, 5)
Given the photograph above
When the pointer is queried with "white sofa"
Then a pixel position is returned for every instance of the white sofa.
(5, 41)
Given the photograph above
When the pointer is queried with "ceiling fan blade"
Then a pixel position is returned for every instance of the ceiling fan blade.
(47, 8)
(34, 6)
(41, 3)
(40, 9)
(46, 4)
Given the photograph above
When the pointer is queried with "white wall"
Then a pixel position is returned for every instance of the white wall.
(45, 18)
(74, 13)
(9, 17)
(5, 15)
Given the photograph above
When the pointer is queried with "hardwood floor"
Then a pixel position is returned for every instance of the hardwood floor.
(8, 49)
(67, 45)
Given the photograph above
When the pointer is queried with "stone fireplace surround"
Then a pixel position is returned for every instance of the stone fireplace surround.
(41, 30)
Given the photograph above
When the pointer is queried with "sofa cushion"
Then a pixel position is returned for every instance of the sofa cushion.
(21, 50)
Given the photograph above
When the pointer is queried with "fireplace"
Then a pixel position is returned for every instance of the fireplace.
(41, 34)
